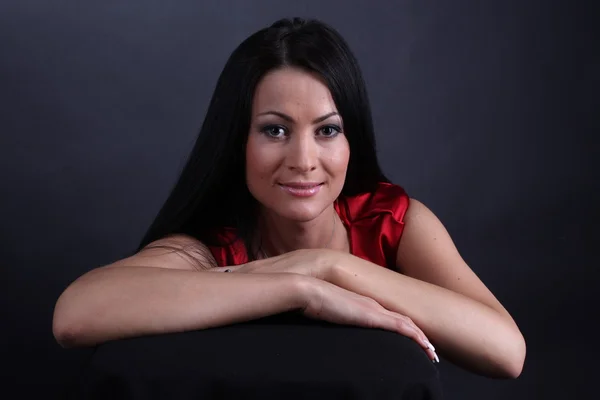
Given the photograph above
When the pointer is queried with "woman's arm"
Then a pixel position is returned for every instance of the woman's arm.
(442, 295)
(157, 292)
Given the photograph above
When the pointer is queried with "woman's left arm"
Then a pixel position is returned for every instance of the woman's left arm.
(442, 295)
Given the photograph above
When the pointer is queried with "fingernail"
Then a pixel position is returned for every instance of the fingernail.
(429, 345)
(227, 270)
(437, 359)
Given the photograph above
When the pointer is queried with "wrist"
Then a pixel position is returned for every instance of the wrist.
(328, 262)
(303, 288)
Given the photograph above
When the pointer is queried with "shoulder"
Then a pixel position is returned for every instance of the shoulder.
(425, 238)
(418, 211)
(174, 251)
(187, 246)
(177, 241)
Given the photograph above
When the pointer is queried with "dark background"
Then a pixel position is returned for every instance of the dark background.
(483, 110)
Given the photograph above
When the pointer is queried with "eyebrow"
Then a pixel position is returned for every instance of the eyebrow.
(290, 119)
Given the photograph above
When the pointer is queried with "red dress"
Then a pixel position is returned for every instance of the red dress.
(374, 222)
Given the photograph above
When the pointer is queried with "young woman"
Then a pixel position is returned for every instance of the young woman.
(283, 190)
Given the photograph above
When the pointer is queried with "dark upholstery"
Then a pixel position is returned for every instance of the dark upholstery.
(286, 356)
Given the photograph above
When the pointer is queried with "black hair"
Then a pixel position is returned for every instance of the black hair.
(211, 191)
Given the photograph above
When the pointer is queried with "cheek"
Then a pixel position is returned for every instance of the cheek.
(339, 158)
(258, 164)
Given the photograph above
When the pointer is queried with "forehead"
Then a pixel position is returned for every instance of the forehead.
(292, 88)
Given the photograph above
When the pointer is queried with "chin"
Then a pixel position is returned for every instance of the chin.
(297, 212)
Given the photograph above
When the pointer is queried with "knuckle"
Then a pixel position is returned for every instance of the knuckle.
(372, 302)
(408, 325)
(371, 321)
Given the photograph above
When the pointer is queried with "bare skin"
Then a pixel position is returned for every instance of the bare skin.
(296, 136)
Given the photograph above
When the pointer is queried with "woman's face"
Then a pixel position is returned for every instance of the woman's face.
(296, 139)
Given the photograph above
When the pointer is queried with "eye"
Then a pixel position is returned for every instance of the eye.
(273, 131)
(330, 131)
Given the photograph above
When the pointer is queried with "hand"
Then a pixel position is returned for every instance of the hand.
(332, 303)
(316, 263)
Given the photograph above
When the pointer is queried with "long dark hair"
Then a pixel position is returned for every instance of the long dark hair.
(211, 192)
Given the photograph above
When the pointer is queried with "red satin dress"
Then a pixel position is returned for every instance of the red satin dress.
(374, 222)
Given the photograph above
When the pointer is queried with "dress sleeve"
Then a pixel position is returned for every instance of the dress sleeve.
(376, 223)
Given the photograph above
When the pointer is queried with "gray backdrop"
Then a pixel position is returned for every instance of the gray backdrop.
(483, 110)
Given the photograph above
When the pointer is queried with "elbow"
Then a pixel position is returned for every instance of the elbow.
(64, 332)
(71, 324)
(65, 336)
(70, 333)
(66, 325)
(518, 358)
(514, 358)
(514, 371)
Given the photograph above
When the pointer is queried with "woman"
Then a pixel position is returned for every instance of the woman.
(283, 190)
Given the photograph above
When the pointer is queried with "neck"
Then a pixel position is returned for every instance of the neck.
(279, 235)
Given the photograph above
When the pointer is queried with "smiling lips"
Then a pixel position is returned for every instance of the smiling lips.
(301, 189)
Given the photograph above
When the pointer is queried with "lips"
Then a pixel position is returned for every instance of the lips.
(301, 189)
(301, 185)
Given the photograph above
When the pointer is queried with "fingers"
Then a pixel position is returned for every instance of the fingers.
(405, 326)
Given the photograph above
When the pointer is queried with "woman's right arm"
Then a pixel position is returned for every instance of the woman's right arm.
(157, 291)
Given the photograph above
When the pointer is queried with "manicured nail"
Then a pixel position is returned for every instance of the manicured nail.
(437, 359)
(429, 345)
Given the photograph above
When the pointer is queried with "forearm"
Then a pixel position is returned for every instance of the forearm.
(467, 332)
(119, 302)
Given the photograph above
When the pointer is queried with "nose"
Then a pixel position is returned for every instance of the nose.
(303, 153)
